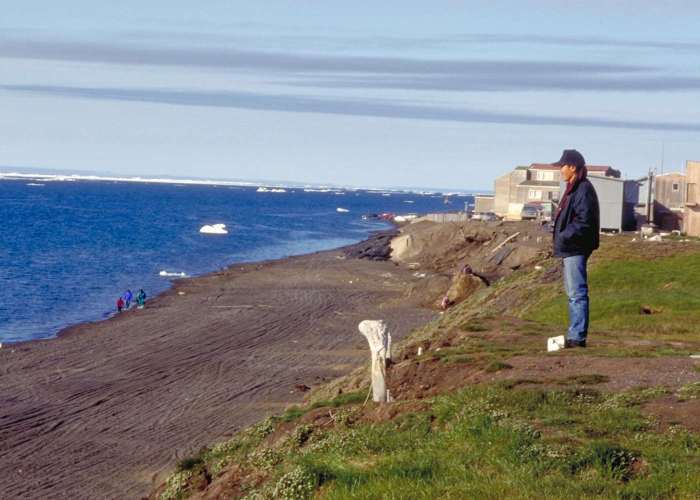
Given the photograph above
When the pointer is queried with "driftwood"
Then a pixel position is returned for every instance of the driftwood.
(505, 241)
(379, 339)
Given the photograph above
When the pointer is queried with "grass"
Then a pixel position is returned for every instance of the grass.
(620, 288)
(341, 400)
(485, 441)
(491, 442)
(553, 437)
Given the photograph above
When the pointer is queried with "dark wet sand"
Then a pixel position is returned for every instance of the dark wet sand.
(108, 408)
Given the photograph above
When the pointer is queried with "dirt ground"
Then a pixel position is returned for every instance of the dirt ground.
(105, 410)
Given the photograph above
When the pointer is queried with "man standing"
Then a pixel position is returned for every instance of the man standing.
(128, 296)
(576, 236)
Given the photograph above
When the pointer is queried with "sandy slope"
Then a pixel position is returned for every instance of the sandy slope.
(106, 409)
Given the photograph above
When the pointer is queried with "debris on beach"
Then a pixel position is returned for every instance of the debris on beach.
(213, 229)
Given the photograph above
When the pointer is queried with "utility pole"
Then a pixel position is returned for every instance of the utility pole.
(650, 212)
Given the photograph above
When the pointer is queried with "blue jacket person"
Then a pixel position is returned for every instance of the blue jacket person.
(576, 236)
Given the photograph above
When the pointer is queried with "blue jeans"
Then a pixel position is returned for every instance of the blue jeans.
(576, 285)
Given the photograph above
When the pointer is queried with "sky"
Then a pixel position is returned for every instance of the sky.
(447, 93)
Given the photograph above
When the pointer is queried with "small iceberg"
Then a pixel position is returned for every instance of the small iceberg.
(167, 274)
(263, 189)
(405, 218)
(342, 210)
(213, 229)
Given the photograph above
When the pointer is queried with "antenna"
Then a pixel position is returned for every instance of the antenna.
(662, 156)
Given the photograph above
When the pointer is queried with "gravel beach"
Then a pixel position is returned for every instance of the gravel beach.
(106, 409)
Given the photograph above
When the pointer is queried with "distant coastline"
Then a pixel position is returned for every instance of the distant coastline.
(62, 177)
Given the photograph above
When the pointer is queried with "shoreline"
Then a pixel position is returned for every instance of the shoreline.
(68, 330)
(108, 407)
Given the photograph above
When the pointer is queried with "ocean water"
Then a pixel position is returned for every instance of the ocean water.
(69, 249)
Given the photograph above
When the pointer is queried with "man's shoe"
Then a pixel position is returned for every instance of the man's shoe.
(570, 344)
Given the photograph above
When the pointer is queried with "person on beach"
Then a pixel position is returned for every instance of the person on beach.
(141, 299)
(576, 236)
(128, 296)
(120, 304)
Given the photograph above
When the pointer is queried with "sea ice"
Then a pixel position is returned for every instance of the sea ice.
(213, 229)
(172, 275)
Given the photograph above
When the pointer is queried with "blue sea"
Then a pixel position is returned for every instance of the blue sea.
(69, 249)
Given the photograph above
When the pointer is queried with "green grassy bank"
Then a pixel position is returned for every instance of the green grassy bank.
(488, 428)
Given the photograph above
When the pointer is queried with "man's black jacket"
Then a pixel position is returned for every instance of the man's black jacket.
(577, 227)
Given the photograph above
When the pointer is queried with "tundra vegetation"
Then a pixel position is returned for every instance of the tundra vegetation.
(483, 412)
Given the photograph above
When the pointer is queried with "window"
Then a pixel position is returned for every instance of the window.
(544, 175)
(675, 186)
(534, 194)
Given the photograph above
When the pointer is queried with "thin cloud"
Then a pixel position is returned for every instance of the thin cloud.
(304, 104)
(291, 62)
(484, 82)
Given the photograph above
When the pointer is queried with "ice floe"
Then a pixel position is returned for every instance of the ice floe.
(213, 229)
(168, 274)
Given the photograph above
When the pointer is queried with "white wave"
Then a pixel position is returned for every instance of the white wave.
(35, 184)
(172, 275)
(263, 189)
(342, 210)
(408, 201)
(213, 229)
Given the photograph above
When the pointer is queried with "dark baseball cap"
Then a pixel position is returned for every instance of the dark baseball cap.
(571, 157)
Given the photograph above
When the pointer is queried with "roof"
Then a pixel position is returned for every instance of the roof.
(484, 196)
(607, 169)
(533, 183)
(591, 168)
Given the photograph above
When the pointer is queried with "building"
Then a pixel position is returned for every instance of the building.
(691, 216)
(483, 203)
(664, 206)
(506, 190)
(669, 200)
(536, 184)
(617, 199)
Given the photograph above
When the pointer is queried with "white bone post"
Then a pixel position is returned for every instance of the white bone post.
(379, 339)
